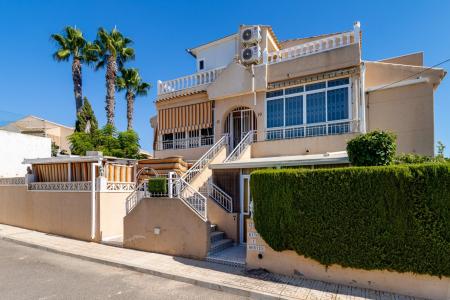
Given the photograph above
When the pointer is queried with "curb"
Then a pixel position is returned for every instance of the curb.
(201, 283)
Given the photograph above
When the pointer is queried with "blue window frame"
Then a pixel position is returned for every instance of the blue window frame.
(337, 104)
(274, 94)
(294, 111)
(338, 82)
(315, 86)
(315, 108)
(275, 113)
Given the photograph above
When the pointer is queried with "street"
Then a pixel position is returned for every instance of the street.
(28, 273)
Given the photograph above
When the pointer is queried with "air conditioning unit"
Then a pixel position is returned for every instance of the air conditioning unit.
(250, 34)
(251, 54)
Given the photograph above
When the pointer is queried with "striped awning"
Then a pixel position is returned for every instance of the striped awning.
(184, 118)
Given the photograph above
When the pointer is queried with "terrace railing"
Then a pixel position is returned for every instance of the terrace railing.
(218, 195)
(190, 81)
(241, 147)
(74, 186)
(12, 181)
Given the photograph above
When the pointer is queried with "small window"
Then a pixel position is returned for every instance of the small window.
(338, 82)
(315, 86)
(274, 94)
(201, 65)
(294, 90)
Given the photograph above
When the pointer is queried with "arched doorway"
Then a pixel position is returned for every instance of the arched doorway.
(238, 123)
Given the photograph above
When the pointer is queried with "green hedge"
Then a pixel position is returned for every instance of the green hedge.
(375, 148)
(157, 185)
(394, 217)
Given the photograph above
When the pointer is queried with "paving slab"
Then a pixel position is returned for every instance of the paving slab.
(255, 284)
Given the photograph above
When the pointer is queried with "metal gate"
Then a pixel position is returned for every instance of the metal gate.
(238, 123)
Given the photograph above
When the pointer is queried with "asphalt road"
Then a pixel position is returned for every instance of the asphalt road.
(28, 273)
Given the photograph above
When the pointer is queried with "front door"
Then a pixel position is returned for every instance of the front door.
(245, 207)
(238, 123)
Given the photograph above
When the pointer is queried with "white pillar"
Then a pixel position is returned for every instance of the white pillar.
(363, 126)
(356, 31)
(93, 202)
(170, 186)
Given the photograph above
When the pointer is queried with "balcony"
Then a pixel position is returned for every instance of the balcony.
(197, 80)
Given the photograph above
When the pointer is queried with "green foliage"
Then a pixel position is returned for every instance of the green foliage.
(55, 149)
(86, 117)
(108, 140)
(113, 44)
(440, 149)
(157, 186)
(412, 158)
(395, 217)
(376, 148)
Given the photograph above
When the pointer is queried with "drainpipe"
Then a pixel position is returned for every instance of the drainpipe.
(93, 202)
(363, 126)
(253, 85)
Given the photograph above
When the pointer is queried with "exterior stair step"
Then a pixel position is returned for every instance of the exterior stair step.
(216, 236)
(220, 245)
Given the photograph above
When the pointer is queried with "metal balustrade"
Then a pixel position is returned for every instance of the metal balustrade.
(120, 186)
(74, 186)
(218, 195)
(191, 197)
(12, 181)
(241, 147)
(186, 143)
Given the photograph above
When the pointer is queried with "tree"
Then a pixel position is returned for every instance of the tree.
(440, 149)
(113, 51)
(86, 120)
(376, 148)
(131, 81)
(71, 43)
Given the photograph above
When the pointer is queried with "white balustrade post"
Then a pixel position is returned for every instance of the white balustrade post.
(171, 184)
(356, 31)
(265, 56)
(159, 86)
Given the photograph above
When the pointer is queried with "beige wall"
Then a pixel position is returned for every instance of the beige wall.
(408, 112)
(313, 64)
(292, 264)
(315, 145)
(413, 59)
(187, 154)
(182, 232)
(62, 213)
(225, 221)
(200, 179)
(112, 211)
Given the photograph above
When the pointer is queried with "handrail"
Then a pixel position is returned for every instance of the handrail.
(218, 195)
(192, 198)
(203, 161)
(240, 148)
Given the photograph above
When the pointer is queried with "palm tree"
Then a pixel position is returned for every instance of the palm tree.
(114, 51)
(131, 81)
(71, 43)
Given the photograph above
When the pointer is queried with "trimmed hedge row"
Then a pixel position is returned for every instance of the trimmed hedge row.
(157, 185)
(395, 217)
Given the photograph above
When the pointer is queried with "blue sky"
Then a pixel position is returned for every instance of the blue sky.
(32, 83)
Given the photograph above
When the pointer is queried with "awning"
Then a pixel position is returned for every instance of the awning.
(184, 118)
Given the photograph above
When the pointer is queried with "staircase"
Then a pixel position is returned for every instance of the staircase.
(223, 250)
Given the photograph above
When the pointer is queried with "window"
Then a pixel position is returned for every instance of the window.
(207, 136)
(275, 113)
(167, 141)
(309, 110)
(315, 108)
(201, 64)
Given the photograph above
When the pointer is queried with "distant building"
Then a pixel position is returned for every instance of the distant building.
(36, 126)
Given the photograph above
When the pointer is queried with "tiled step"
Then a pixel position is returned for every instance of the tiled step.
(234, 256)
(216, 236)
(220, 245)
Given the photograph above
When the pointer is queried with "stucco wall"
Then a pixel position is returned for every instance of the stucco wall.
(408, 112)
(292, 264)
(225, 221)
(112, 211)
(62, 213)
(187, 154)
(218, 55)
(315, 145)
(182, 233)
(20, 146)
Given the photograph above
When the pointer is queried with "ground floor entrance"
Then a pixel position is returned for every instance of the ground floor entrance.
(238, 123)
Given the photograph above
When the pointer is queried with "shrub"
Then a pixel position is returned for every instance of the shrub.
(157, 186)
(412, 158)
(376, 148)
(395, 218)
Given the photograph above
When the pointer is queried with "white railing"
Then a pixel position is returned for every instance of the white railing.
(191, 197)
(218, 195)
(12, 181)
(241, 147)
(193, 142)
(74, 186)
(141, 191)
(317, 46)
(190, 81)
(206, 158)
(312, 130)
(120, 186)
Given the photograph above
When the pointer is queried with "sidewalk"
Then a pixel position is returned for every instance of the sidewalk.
(256, 284)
